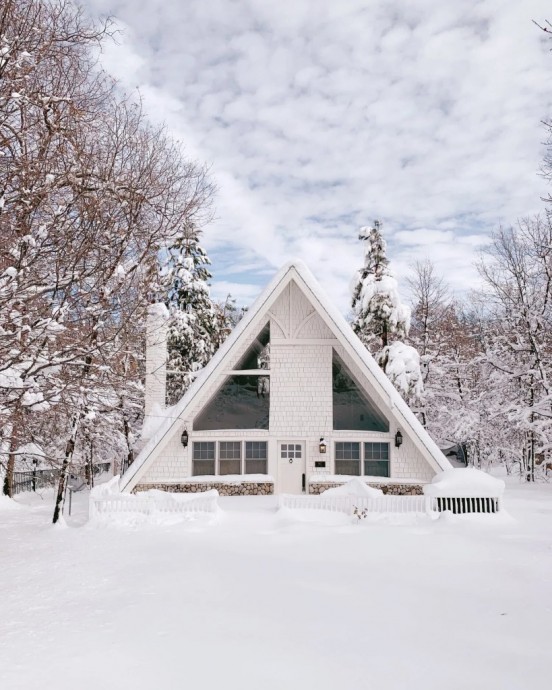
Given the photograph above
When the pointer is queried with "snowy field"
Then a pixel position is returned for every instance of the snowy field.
(253, 599)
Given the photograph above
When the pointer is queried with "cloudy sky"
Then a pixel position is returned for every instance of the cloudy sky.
(318, 116)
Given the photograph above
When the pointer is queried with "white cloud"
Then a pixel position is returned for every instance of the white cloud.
(318, 117)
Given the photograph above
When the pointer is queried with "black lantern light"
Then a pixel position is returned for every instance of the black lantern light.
(398, 439)
(184, 438)
(323, 446)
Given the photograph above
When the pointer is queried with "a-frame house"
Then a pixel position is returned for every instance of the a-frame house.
(291, 402)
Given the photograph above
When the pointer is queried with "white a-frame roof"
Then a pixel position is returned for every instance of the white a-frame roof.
(297, 272)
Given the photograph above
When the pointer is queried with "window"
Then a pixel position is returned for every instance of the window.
(258, 354)
(243, 402)
(352, 409)
(375, 459)
(347, 458)
(203, 458)
(225, 457)
(230, 457)
(290, 450)
(255, 457)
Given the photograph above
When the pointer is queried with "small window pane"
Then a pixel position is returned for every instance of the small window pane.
(376, 468)
(255, 457)
(347, 458)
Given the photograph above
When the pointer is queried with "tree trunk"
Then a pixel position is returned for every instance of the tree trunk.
(8, 485)
(69, 450)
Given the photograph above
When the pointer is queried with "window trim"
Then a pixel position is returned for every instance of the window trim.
(362, 456)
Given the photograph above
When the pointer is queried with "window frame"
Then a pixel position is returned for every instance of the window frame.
(363, 459)
(205, 459)
(243, 459)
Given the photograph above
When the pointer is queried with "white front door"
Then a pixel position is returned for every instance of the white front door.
(292, 467)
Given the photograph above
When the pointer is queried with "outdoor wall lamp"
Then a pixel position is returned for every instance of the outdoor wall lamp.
(323, 446)
(398, 439)
(184, 438)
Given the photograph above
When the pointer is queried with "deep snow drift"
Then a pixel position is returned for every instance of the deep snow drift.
(252, 598)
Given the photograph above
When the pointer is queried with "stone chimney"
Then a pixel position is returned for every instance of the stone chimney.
(156, 357)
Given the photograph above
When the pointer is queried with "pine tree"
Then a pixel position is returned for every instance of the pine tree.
(195, 321)
(380, 316)
(381, 320)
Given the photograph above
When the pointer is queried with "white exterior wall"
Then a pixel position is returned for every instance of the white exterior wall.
(300, 400)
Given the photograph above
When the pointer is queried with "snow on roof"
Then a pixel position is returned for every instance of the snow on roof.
(465, 482)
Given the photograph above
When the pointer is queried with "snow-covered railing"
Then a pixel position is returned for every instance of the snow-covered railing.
(107, 501)
(465, 490)
(348, 503)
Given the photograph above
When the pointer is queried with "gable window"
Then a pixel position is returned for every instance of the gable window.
(227, 457)
(203, 458)
(258, 354)
(373, 463)
(352, 408)
(242, 402)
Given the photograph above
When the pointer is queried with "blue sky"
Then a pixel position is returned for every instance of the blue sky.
(317, 117)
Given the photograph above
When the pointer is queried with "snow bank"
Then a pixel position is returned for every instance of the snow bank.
(109, 488)
(464, 482)
(356, 487)
(7, 503)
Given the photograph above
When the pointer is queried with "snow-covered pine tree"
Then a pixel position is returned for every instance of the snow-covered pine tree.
(380, 316)
(195, 321)
(381, 320)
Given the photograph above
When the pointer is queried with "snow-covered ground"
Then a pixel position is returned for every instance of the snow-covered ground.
(253, 598)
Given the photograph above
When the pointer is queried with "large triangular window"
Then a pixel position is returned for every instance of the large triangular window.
(352, 408)
(258, 353)
(242, 402)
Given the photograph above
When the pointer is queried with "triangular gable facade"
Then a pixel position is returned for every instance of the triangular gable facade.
(291, 398)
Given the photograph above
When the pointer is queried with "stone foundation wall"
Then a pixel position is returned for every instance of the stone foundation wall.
(242, 489)
(389, 489)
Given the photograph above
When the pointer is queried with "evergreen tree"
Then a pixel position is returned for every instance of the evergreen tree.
(195, 321)
(381, 320)
(380, 317)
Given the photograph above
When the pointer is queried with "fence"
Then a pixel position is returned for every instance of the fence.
(395, 505)
(347, 504)
(32, 480)
(152, 503)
